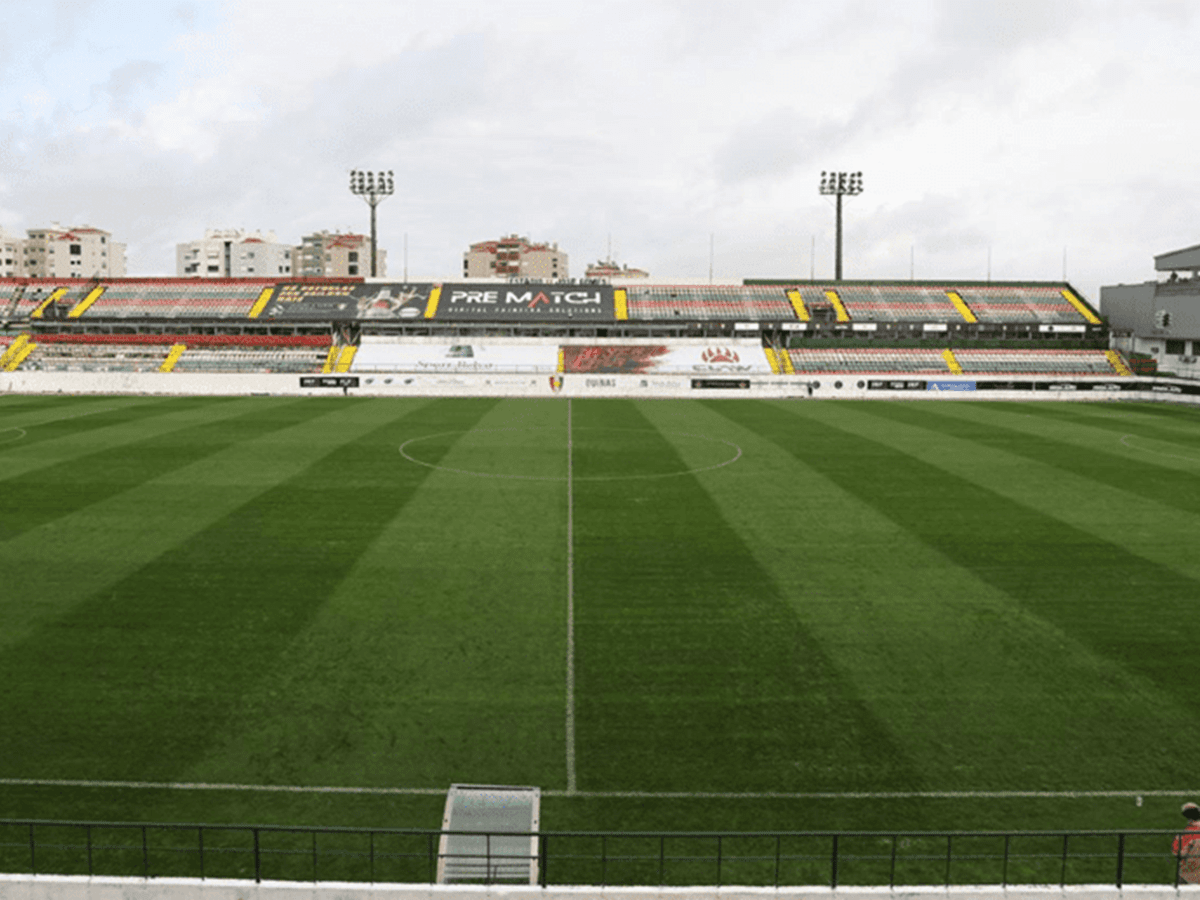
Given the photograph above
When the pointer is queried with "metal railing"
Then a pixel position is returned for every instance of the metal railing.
(380, 855)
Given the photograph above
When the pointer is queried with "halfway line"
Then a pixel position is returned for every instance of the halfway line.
(570, 728)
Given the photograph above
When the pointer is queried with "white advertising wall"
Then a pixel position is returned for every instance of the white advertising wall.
(474, 356)
(648, 386)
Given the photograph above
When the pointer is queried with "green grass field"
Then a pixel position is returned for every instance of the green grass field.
(659, 597)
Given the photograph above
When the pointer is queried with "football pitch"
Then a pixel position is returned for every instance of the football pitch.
(685, 615)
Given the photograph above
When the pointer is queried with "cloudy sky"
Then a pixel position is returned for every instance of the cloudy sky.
(690, 133)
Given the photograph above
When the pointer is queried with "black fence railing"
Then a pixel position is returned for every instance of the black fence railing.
(778, 859)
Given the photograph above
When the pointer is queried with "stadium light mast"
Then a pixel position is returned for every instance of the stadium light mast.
(372, 187)
(840, 184)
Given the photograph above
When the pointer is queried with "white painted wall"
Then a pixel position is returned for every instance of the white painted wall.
(45, 887)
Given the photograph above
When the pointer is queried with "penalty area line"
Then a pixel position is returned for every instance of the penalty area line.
(613, 795)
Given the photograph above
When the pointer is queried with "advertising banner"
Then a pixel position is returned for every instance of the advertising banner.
(1175, 388)
(527, 302)
(951, 385)
(724, 383)
(395, 356)
(328, 381)
(1004, 386)
(881, 384)
(725, 358)
(325, 302)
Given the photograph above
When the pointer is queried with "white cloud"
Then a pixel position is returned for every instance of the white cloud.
(1025, 127)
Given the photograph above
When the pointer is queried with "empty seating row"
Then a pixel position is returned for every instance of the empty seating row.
(708, 302)
(172, 301)
(897, 304)
(864, 359)
(957, 361)
(180, 353)
(1034, 362)
(63, 357)
(244, 359)
(1021, 304)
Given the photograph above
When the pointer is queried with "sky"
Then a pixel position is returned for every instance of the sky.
(1016, 140)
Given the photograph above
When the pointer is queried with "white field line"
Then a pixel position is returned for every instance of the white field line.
(646, 795)
(1125, 442)
(24, 433)
(570, 727)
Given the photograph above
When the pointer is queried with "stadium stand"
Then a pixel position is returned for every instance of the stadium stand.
(819, 302)
(708, 302)
(869, 359)
(177, 352)
(235, 325)
(891, 303)
(1046, 305)
(176, 299)
(1037, 362)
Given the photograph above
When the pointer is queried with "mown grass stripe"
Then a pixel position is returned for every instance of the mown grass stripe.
(965, 679)
(137, 680)
(438, 656)
(693, 673)
(112, 538)
(1082, 583)
(72, 430)
(1071, 448)
(144, 449)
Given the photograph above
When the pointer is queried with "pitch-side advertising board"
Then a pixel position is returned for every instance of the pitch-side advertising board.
(717, 358)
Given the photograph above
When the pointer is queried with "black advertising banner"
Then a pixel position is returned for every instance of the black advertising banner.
(328, 381)
(1004, 385)
(527, 302)
(1174, 388)
(881, 384)
(735, 383)
(326, 302)
(1087, 386)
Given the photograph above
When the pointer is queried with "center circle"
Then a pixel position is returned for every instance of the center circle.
(518, 446)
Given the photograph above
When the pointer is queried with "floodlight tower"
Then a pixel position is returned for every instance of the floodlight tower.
(840, 184)
(372, 187)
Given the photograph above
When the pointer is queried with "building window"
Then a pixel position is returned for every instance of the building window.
(353, 270)
(76, 249)
(1176, 348)
(353, 256)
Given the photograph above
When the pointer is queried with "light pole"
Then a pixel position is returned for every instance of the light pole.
(372, 187)
(840, 184)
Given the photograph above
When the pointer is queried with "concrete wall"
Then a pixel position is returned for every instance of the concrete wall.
(46, 887)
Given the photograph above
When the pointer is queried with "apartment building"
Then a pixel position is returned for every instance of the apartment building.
(334, 254)
(234, 253)
(514, 255)
(10, 254)
(77, 252)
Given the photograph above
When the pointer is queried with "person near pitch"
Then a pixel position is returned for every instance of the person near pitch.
(1186, 845)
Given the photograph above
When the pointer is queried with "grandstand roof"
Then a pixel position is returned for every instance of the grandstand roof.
(1187, 258)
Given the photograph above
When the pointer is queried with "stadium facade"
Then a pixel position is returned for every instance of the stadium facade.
(1160, 320)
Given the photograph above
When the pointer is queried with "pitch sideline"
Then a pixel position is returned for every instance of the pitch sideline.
(646, 795)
